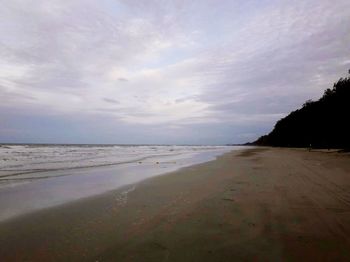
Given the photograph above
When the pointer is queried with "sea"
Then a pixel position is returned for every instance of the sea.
(37, 176)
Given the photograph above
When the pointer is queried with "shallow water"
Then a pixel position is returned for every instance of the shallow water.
(47, 189)
(21, 161)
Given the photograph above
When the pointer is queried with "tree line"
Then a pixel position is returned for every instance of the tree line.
(324, 123)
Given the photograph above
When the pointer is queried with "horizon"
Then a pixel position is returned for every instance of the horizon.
(163, 73)
(95, 144)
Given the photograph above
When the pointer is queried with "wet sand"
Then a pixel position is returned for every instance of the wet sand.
(20, 195)
(263, 204)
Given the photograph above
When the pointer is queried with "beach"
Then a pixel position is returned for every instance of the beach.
(255, 204)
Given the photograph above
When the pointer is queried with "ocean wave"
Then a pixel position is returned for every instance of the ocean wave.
(16, 160)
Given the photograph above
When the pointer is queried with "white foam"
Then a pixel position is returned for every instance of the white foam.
(17, 161)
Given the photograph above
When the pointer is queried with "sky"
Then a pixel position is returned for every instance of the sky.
(164, 72)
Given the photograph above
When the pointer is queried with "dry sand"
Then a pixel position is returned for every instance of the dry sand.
(263, 204)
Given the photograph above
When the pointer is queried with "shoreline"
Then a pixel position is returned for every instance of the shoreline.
(116, 191)
(40, 191)
(262, 203)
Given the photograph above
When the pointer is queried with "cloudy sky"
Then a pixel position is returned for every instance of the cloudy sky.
(157, 71)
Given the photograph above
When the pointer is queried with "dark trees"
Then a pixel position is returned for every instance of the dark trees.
(324, 123)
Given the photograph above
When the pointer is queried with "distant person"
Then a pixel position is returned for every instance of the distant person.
(310, 147)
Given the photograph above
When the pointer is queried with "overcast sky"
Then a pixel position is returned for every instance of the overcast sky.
(132, 71)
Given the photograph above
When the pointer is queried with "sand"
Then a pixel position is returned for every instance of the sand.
(263, 204)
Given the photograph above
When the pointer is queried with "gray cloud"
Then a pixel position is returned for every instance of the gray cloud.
(197, 71)
(123, 79)
(112, 101)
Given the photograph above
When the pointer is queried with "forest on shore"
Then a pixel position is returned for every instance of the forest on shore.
(324, 123)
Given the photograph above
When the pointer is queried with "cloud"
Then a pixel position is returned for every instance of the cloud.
(112, 101)
(226, 66)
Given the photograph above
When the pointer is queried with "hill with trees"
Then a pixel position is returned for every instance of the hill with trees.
(322, 124)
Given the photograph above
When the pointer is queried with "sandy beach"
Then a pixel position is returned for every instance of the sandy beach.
(262, 204)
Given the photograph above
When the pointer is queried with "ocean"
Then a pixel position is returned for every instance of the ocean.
(36, 176)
